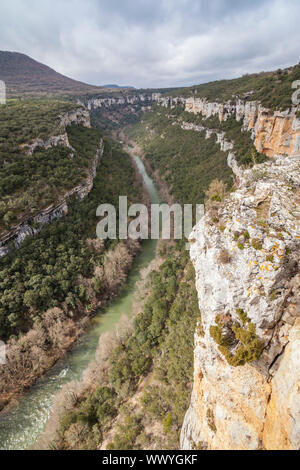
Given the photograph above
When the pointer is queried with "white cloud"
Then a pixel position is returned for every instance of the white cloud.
(153, 43)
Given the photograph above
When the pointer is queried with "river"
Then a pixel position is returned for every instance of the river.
(21, 427)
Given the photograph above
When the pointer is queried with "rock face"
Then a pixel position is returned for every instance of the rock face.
(33, 225)
(226, 145)
(106, 102)
(53, 141)
(78, 116)
(248, 263)
(274, 132)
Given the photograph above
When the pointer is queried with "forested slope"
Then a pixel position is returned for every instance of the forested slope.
(56, 280)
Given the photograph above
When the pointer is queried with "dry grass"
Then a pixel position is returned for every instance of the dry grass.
(224, 257)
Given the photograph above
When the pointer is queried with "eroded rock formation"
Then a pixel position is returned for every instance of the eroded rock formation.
(78, 116)
(275, 133)
(247, 278)
(34, 224)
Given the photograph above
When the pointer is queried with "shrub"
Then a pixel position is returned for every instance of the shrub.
(167, 423)
(243, 316)
(216, 191)
(128, 432)
(247, 346)
(246, 235)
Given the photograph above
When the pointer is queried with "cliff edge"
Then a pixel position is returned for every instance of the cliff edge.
(245, 251)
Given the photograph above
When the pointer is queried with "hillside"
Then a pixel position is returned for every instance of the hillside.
(24, 75)
(231, 145)
(272, 89)
(37, 167)
(246, 257)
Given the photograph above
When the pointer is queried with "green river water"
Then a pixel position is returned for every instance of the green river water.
(21, 427)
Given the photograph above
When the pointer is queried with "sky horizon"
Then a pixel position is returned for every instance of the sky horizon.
(156, 44)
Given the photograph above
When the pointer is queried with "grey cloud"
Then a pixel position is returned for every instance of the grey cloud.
(153, 42)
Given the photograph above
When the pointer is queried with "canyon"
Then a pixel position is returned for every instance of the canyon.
(275, 133)
(253, 406)
(246, 264)
(245, 252)
(246, 258)
(34, 224)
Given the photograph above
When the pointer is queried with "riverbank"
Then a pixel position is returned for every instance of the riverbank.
(31, 356)
(20, 427)
(136, 149)
(56, 331)
(135, 394)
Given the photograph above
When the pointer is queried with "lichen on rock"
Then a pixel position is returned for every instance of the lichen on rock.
(255, 404)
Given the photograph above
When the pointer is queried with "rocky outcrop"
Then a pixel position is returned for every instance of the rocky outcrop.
(247, 278)
(54, 141)
(106, 102)
(226, 145)
(34, 224)
(78, 116)
(274, 132)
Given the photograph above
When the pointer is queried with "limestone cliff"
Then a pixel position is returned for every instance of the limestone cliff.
(78, 116)
(274, 132)
(247, 347)
(142, 99)
(33, 225)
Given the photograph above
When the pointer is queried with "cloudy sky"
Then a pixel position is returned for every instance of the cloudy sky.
(153, 43)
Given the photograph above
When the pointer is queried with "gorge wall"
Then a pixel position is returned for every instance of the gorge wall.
(33, 225)
(246, 393)
(247, 279)
(274, 133)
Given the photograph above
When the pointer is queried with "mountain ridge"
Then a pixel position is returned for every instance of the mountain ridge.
(24, 75)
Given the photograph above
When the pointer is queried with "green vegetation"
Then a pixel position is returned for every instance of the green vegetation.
(43, 273)
(29, 183)
(100, 407)
(128, 432)
(246, 235)
(160, 347)
(186, 161)
(135, 358)
(243, 340)
(256, 244)
(244, 149)
(273, 89)
(35, 182)
(23, 121)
